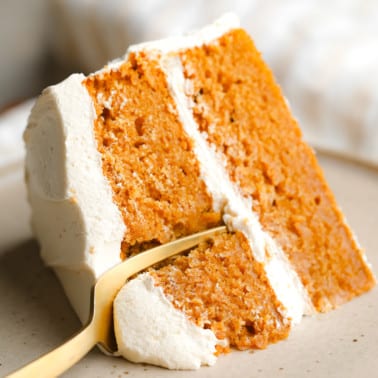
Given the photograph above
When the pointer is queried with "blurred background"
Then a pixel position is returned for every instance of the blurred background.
(323, 53)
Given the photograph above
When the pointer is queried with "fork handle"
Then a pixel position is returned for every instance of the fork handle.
(60, 359)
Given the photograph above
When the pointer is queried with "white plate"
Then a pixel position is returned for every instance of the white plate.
(35, 316)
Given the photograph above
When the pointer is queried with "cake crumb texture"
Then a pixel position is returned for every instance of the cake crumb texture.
(219, 286)
(240, 108)
(147, 157)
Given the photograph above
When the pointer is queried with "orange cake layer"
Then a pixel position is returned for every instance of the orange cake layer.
(219, 286)
(147, 157)
(242, 110)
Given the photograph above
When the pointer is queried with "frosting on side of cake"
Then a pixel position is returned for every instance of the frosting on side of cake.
(78, 225)
(164, 336)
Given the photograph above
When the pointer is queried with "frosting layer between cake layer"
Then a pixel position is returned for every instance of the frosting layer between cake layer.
(236, 209)
(242, 112)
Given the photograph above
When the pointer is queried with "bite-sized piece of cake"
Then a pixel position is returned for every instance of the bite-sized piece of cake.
(216, 297)
(179, 136)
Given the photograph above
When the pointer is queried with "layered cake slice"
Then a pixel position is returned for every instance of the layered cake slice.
(179, 136)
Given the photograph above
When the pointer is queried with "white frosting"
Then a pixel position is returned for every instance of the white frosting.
(237, 210)
(163, 336)
(74, 217)
(198, 38)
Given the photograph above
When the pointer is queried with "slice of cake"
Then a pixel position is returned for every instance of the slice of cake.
(179, 136)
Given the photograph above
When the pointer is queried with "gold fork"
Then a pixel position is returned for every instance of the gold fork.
(99, 329)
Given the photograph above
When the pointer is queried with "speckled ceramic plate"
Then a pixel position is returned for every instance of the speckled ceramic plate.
(35, 316)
